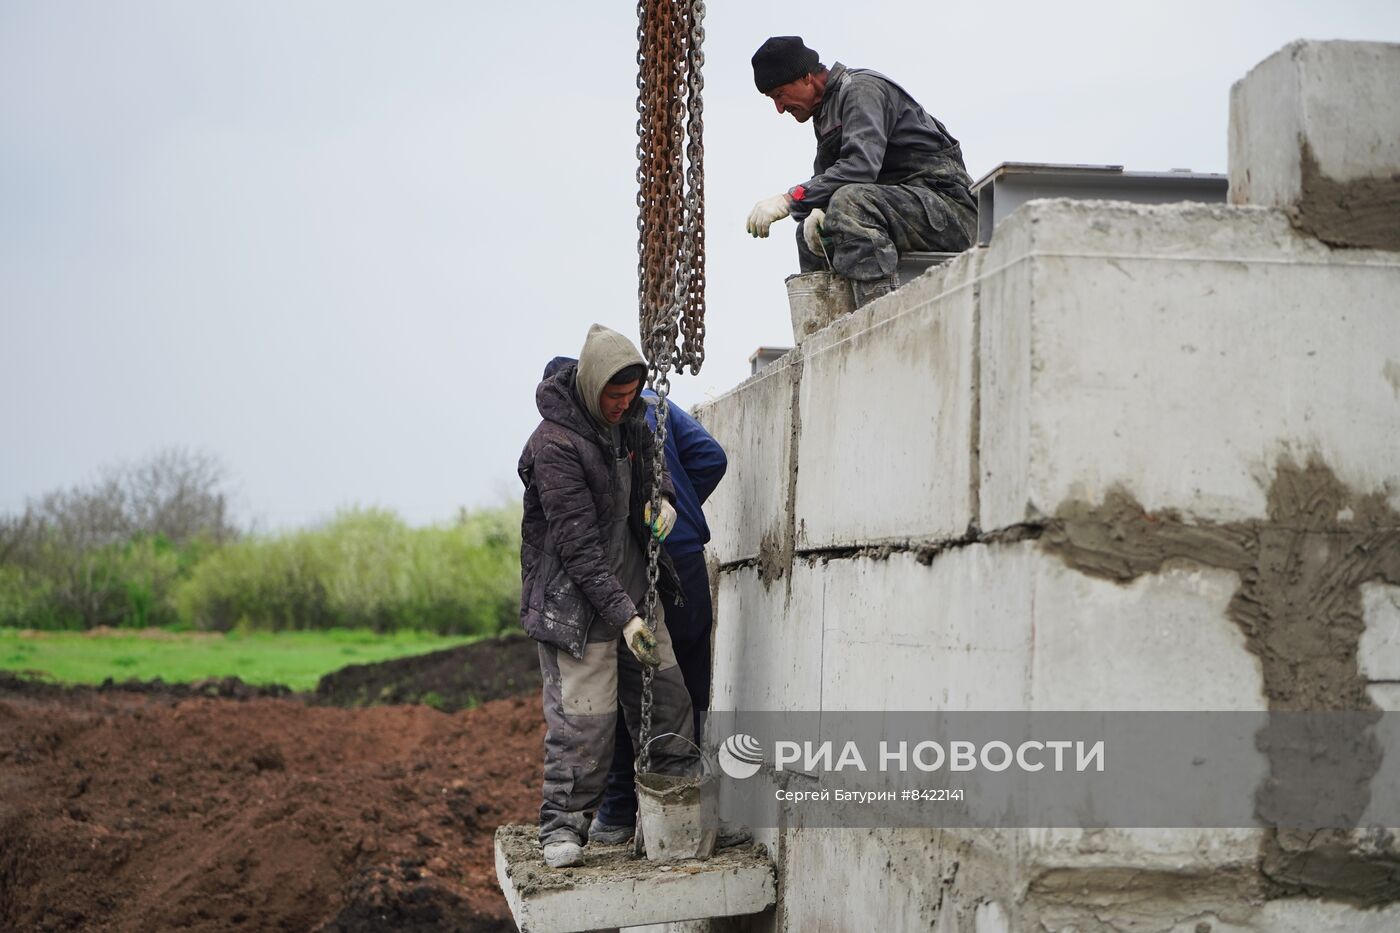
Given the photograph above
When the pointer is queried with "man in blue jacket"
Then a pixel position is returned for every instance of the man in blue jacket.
(696, 464)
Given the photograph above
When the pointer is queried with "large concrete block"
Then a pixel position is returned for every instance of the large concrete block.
(767, 643)
(1161, 642)
(945, 880)
(1178, 352)
(1008, 627)
(983, 627)
(1315, 130)
(901, 634)
(885, 879)
(753, 423)
(887, 416)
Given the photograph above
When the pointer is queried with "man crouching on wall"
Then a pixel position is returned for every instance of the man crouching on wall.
(587, 471)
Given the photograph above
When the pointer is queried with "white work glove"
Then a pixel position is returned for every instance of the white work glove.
(663, 525)
(641, 641)
(812, 231)
(766, 211)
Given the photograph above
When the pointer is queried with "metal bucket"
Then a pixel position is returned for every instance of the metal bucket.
(677, 816)
(815, 299)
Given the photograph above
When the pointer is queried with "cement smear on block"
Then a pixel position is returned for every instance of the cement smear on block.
(1299, 606)
(775, 551)
(1364, 212)
(1138, 899)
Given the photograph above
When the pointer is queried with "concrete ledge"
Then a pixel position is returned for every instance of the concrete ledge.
(611, 889)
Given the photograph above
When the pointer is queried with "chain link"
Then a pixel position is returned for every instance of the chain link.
(670, 234)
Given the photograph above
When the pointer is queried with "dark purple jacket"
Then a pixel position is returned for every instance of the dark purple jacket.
(567, 467)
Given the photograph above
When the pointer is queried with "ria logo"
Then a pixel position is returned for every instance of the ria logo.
(740, 756)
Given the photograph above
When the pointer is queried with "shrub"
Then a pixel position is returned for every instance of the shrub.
(365, 568)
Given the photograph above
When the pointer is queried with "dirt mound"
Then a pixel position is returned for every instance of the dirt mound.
(230, 688)
(151, 811)
(451, 679)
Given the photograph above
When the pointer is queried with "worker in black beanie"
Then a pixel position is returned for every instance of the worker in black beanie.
(782, 59)
(888, 177)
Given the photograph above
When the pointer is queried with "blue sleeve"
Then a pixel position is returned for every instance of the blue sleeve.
(698, 453)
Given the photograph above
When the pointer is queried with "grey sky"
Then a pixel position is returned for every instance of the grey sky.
(334, 242)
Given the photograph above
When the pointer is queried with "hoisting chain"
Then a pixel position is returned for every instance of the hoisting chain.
(670, 235)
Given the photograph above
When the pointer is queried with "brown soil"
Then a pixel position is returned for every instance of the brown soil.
(223, 808)
(451, 679)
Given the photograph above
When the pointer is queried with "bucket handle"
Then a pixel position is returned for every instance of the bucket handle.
(699, 753)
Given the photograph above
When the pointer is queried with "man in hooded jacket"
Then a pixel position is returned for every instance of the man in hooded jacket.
(587, 470)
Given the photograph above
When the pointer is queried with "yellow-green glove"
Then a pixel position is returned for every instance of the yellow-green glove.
(663, 525)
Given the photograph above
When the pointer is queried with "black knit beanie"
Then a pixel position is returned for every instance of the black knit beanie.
(782, 59)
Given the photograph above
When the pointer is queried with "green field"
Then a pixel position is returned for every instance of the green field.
(295, 659)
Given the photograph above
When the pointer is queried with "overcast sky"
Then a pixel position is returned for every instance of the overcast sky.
(333, 243)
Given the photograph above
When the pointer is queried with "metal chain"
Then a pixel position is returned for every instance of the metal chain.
(670, 235)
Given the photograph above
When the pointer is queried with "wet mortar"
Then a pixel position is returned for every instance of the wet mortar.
(1299, 607)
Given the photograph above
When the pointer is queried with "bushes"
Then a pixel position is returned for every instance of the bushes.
(365, 569)
(150, 543)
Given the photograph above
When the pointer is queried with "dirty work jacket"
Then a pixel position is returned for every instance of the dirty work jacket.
(695, 463)
(566, 578)
(869, 130)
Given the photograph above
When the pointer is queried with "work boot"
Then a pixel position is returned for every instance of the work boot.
(562, 853)
(603, 834)
(867, 290)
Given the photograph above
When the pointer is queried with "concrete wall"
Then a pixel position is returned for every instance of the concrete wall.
(1125, 457)
(1315, 131)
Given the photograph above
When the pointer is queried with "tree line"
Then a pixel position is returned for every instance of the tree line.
(153, 543)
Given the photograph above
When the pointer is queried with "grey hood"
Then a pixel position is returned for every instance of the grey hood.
(605, 353)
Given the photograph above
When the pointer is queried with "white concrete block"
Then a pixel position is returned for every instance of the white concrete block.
(1162, 642)
(1008, 627)
(887, 424)
(1178, 352)
(767, 643)
(953, 635)
(754, 426)
(881, 879)
(1379, 650)
(1334, 103)
(613, 890)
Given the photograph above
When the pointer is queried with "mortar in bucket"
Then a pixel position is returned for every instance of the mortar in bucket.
(677, 815)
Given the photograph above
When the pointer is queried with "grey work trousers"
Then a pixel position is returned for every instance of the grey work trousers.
(580, 710)
(868, 226)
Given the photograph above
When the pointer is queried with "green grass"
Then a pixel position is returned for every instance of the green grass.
(296, 659)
